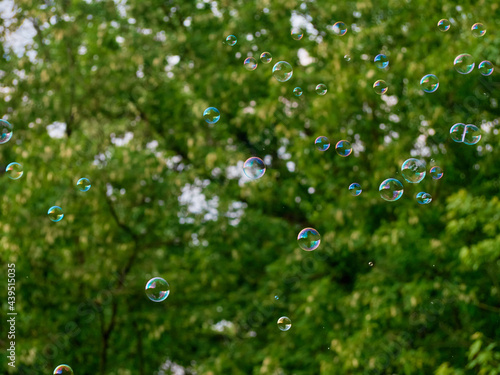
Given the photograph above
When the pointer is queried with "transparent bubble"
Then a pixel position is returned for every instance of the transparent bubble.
(284, 323)
(5, 131)
(63, 370)
(478, 30)
(309, 239)
(14, 171)
(370, 264)
(254, 168)
(485, 68)
(429, 83)
(464, 63)
(322, 143)
(321, 89)
(381, 61)
(355, 189)
(424, 198)
(55, 213)
(231, 40)
(297, 91)
(347, 58)
(436, 172)
(266, 57)
(157, 289)
(83, 184)
(276, 298)
(343, 148)
(297, 33)
(380, 87)
(413, 170)
(444, 25)
(282, 71)
(250, 63)
(211, 115)
(472, 134)
(457, 132)
(339, 28)
(391, 189)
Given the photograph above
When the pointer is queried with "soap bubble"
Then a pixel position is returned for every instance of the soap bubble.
(14, 171)
(297, 33)
(309, 239)
(321, 89)
(355, 189)
(444, 25)
(472, 134)
(413, 170)
(211, 115)
(347, 58)
(297, 91)
(254, 168)
(322, 143)
(381, 61)
(429, 83)
(485, 68)
(266, 57)
(464, 63)
(391, 189)
(343, 148)
(457, 132)
(380, 87)
(339, 28)
(284, 323)
(63, 370)
(370, 264)
(436, 172)
(282, 71)
(250, 63)
(276, 298)
(5, 131)
(424, 198)
(83, 184)
(55, 213)
(478, 30)
(231, 40)
(157, 289)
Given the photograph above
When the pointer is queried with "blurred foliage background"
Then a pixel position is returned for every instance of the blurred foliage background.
(121, 86)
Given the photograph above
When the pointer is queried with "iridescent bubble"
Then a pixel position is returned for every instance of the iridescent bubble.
(436, 172)
(211, 115)
(444, 25)
(284, 323)
(254, 168)
(457, 132)
(309, 239)
(355, 189)
(424, 198)
(321, 89)
(381, 61)
(322, 143)
(339, 28)
(478, 30)
(157, 289)
(63, 370)
(343, 148)
(55, 213)
(297, 33)
(250, 63)
(276, 298)
(282, 71)
(347, 58)
(5, 131)
(266, 57)
(83, 184)
(231, 40)
(391, 189)
(472, 134)
(297, 91)
(464, 63)
(380, 87)
(485, 68)
(370, 264)
(14, 171)
(413, 170)
(429, 83)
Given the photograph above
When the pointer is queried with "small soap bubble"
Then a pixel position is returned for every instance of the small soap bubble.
(266, 57)
(347, 58)
(322, 143)
(83, 184)
(424, 198)
(413, 170)
(436, 172)
(321, 89)
(254, 168)
(5, 131)
(309, 239)
(381, 61)
(55, 213)
(339, 28)
(457, 132)
(380, 87)
(343, 148)
(14, 171)
(485, 68)
(231, 40)
(478, 30)
(472, 134)
(464, 63)
(284, 323)
(276, 298)
(429, 83)
(391, 190)
(297, 33)
(370, 264)
(444, 25)
(157, 289)
(63, 370)
(297, 91)
(211, 115)
(355, 189)
(282, 71)
(250, 63)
